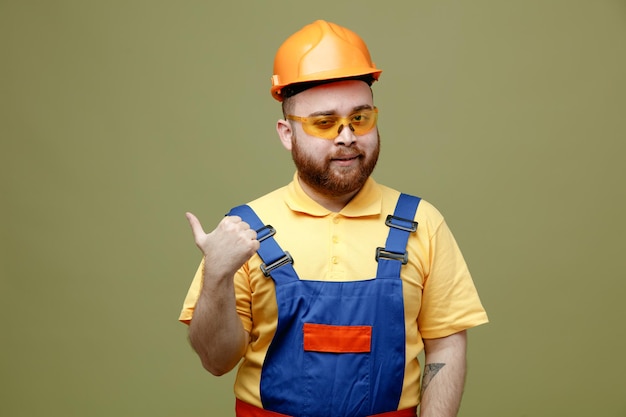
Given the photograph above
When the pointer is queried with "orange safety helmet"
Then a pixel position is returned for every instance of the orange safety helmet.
(320, 51)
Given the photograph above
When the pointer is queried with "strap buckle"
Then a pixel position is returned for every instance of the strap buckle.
(395, 256)
(404, 224)
(267, 269)
(261, 235)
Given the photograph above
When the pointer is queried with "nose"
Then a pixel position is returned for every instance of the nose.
(345, 135)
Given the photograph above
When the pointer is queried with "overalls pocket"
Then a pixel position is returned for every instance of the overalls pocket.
(337, 368)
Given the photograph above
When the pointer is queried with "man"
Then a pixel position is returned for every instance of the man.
(327, 288)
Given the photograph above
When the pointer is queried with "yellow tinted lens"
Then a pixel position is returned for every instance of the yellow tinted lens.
(325, 127)
(363, 121)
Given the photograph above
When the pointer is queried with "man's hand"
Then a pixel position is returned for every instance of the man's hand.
(216, 332)
(227, 247)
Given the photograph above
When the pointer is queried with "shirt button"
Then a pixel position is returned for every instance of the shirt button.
(336, 220)
(335, 239)
(334, 259)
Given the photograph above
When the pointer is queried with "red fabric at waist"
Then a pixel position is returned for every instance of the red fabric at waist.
(247, 410)
(243, 409)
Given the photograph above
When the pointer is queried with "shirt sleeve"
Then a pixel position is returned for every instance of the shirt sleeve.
(193, 293)
(242, 292)
(450, 301)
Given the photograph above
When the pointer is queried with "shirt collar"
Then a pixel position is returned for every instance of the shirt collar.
(367, 202)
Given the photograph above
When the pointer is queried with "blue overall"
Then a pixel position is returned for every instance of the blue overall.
(339, 347)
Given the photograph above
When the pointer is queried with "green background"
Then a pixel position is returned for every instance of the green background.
(116, 117)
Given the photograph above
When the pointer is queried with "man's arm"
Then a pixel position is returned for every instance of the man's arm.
(444, 375)
(216, 332)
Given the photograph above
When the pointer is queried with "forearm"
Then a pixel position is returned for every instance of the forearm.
(444, 376)
(215, 331)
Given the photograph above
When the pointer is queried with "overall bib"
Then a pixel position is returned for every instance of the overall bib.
(339, 347)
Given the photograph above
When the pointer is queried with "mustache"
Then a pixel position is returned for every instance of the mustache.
(352, 152)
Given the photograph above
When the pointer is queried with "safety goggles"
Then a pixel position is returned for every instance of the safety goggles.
(330, 126)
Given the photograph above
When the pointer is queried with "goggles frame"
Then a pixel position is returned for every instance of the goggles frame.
(323, 126)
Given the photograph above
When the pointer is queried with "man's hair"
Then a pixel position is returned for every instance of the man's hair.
(290, 91)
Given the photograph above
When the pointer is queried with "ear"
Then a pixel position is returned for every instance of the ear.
(285, 133)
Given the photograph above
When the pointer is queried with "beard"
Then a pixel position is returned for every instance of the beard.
(334, 181)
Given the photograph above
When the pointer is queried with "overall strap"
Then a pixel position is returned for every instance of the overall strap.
(401, 225)
(277, 263)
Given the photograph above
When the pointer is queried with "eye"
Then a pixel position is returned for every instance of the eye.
(360, 118)
(324, 122)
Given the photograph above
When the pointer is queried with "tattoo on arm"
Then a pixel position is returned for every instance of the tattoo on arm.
(430, 370)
